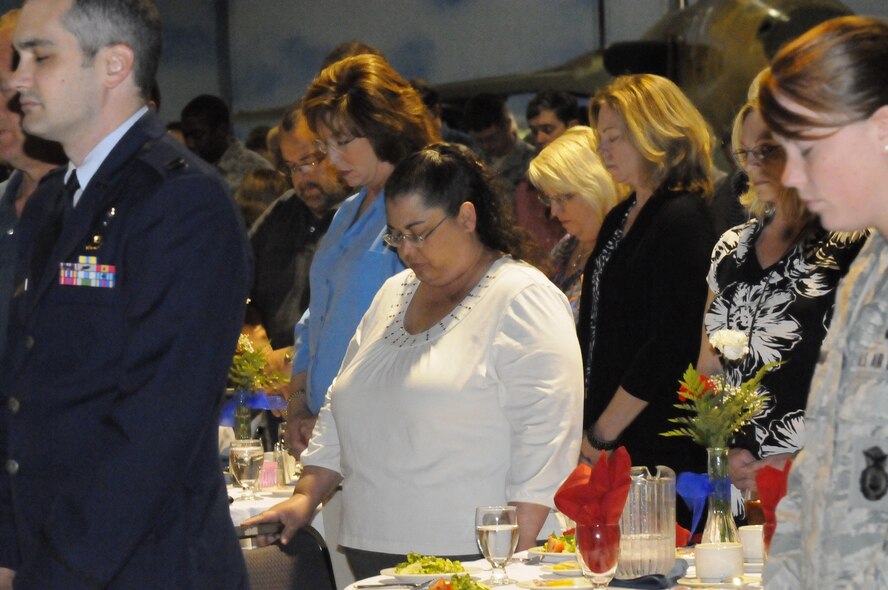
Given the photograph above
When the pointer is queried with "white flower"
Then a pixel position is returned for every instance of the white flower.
(733, 345)
(244, 344)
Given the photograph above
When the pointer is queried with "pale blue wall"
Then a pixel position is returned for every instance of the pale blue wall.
(277, 45)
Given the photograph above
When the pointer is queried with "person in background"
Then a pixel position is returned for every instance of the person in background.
(30, 157)
(260, 187)
(459, 388)
(549, 114)
(644, 285)
(367, 119)
(285, 237)
(772, 278)
(273, 141)
(573, 182)
(206, 126)
(257, 141)
(490, 126)
(431, 101)
(725, 207)
(826, 100)
(124, 326)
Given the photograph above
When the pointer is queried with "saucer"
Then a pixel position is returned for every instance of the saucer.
(698, 583)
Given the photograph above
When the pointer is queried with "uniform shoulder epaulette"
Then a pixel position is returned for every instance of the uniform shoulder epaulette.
(163, 156)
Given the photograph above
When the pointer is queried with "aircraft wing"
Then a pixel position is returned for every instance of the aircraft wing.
(582, 75)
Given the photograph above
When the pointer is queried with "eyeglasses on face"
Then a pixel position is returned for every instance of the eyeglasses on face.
(337, 145)
(395, 240)
(559, 200)
(760, 154)
(306, 166)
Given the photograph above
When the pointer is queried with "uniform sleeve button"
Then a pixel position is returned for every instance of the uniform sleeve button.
(12, 466)
(13, 404)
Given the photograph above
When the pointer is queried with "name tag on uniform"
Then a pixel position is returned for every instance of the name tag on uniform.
(87, 272)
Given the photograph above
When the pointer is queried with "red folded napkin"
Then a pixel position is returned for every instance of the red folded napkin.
(682, 535)
(771, 484)
(597, 494)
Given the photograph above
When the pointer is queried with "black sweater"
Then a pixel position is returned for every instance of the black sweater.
(651, 300)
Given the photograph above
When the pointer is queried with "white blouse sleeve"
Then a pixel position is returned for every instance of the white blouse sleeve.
(537, 360)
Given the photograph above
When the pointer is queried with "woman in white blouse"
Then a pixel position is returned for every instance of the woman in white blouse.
(462, 386)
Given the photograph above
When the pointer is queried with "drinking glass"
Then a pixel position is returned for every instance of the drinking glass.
(598, 550)
(245, 464)
(496, 529)
(753, 505)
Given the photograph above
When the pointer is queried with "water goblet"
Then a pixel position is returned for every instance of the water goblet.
(496, 530)
(245, 464)
(598, 550)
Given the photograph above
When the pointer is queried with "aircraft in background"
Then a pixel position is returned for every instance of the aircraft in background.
(712, 50)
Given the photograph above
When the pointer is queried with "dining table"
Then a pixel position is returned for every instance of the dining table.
(530, 570)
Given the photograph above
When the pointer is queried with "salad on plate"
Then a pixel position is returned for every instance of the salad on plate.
(428, 564)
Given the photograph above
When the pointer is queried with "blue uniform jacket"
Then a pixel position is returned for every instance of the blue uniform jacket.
(111, 392)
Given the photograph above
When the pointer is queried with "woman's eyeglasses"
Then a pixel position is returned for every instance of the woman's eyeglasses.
(336, 145)
(759, 155)
(559, 200)
(395, 240)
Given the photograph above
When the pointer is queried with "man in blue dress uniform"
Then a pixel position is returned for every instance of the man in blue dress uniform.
(124, 321)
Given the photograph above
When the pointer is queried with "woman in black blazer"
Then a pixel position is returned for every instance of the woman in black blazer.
(645, 283)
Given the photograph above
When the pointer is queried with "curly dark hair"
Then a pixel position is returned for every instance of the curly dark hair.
(445, 175)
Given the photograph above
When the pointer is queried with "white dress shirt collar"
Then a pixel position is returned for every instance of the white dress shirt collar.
(94, 159)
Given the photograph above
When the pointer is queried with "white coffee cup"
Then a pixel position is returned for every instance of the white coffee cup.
(718, 561)
(753, 543)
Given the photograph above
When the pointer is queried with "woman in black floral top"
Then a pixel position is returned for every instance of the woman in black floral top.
(773, 278)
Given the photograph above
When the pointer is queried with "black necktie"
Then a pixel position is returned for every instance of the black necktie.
(71, 187)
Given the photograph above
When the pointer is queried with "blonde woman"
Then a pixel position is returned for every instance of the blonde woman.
(773, 278)
(574, 184)
(644, 286)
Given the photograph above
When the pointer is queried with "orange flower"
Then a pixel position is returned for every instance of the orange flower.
(684, 394)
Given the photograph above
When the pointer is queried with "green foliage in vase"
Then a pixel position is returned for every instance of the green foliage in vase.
(247, 371)
(716, 410)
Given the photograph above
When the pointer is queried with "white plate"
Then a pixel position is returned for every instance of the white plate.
(698, 583)
(686, 553)
(420, 578)
(541, 551)
(558, 583)
(574, 570)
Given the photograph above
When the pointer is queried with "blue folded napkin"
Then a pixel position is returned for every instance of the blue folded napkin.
(655, 581)
(256, 401)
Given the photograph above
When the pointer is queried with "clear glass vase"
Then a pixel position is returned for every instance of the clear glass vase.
(242, 416)
(720, 526)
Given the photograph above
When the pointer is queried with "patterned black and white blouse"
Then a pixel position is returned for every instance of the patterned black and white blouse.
(785, 311)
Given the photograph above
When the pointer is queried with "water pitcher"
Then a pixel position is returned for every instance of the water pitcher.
(647, 544)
